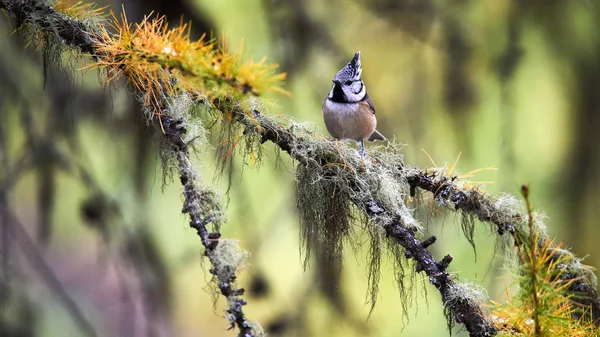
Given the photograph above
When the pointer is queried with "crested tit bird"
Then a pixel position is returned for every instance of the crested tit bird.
(348, 111)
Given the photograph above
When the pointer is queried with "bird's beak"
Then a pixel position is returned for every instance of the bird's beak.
(337, 82)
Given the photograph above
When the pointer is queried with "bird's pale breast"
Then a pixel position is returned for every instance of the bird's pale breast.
(353, 121)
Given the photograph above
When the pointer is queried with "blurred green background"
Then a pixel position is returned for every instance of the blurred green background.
(505, 83)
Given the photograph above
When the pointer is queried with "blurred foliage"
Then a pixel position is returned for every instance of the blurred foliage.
(508, 83)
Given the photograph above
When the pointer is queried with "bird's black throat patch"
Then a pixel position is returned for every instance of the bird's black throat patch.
(338, 94)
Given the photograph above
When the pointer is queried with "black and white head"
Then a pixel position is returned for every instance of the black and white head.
(347, 85)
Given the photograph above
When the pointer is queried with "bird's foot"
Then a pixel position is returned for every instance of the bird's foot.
(363, 152)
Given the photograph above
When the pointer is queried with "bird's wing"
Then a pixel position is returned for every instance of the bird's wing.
(369, 103)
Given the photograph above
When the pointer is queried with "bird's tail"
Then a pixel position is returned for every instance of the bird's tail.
(376, 136)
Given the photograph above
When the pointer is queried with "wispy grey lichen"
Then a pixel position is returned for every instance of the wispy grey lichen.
(464, 294)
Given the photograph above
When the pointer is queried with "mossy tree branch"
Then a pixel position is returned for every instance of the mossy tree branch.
(458, 309)
(359, 186)
(507, 219)
(43, 16)
(203, 209)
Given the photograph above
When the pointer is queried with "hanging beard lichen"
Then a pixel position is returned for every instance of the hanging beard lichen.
(333, 185)
(325, 216)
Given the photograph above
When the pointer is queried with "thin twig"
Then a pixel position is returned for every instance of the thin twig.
(532, 260)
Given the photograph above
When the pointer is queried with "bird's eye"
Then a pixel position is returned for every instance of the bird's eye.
(348, 83)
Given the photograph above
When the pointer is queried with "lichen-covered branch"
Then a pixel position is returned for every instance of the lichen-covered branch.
(41, 15)
(368, 191)
(507, 215)
(203, 209)
(374, 191)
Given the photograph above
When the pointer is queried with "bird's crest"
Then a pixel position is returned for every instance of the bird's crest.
(351, 71)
